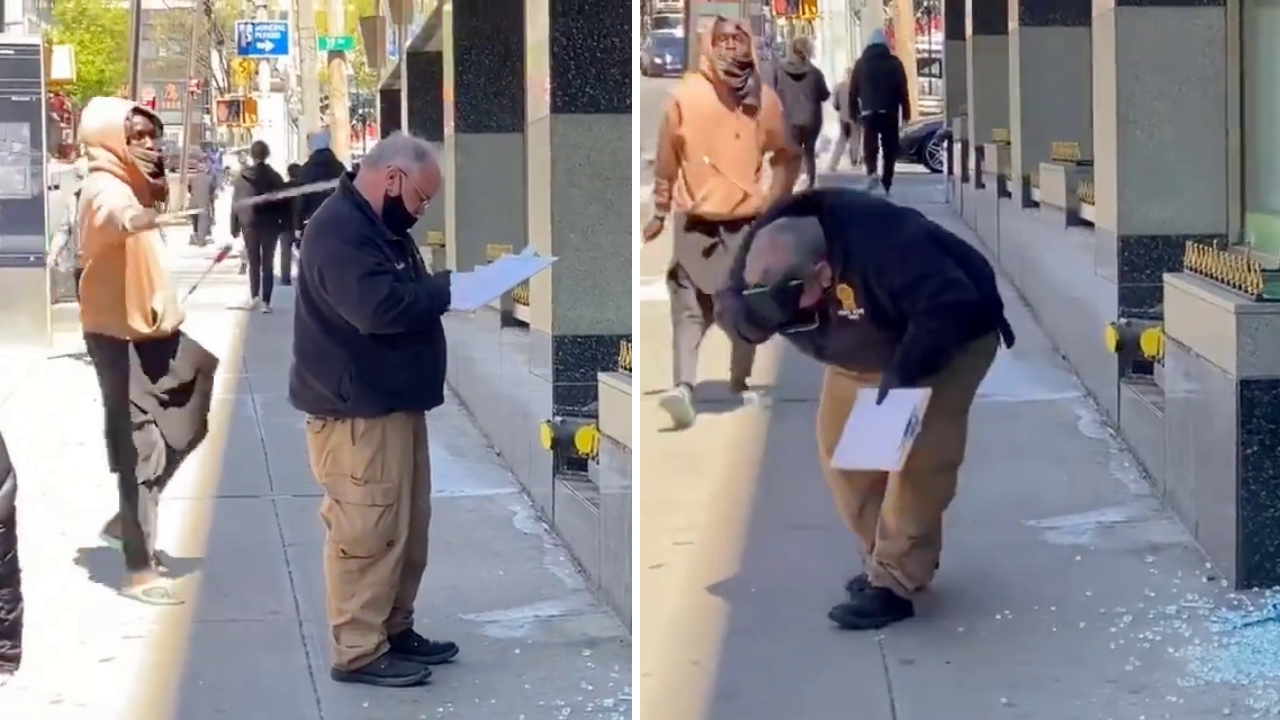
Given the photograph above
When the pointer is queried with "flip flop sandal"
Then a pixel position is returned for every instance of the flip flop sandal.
(152, 594)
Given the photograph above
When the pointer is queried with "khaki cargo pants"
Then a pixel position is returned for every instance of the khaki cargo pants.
(898, 516)
(377, 512)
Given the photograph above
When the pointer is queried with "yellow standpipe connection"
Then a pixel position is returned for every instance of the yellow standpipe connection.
(1127, 335)
(577, 437)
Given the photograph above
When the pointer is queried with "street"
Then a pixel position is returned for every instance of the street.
(241, 522)
(1066, 591)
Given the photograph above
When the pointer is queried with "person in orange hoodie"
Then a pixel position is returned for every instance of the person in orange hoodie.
(720, 123)
(156, 382)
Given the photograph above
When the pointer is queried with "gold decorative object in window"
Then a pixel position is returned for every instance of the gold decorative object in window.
(520, 295)
(493, 252)
(1084, 191)
(1067, 152)
(1232, 270)
(1001, 135)
(624, 356)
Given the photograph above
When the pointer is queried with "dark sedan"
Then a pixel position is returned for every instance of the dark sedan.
(924, 142)
(662, 55)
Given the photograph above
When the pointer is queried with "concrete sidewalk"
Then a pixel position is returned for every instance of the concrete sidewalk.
(242, 522)
(1066, 591)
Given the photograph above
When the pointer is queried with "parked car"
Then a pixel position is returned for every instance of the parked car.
(662, 55)
(924, 142)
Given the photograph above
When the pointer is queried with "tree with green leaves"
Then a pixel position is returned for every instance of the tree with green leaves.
(99, 32)
(215, 41)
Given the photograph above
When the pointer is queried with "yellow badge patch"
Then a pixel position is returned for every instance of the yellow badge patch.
(848, 302)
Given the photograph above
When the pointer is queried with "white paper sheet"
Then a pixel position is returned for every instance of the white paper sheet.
(476, 289)
(879, 437)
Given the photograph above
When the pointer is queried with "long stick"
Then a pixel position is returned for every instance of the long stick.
(307, 189)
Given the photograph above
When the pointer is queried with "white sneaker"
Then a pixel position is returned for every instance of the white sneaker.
(678, 403)
(265, 308)
(250, 305)
(872, 182)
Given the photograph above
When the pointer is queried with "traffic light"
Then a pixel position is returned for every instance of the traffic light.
(250, 112)
(229, 111)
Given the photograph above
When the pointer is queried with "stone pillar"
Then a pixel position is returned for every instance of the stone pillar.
(578, 154)
(388, 111)
(986, 68)
(1159, 140)
(426, 120)
(954, 79)
(1050, 83)
(484, 99)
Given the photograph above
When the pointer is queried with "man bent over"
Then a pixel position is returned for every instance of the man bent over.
(368, 363)
(885, 298)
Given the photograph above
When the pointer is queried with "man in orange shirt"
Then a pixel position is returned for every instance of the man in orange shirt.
(720, 123)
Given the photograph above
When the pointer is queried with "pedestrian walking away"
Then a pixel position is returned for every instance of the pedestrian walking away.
(719, 125)
(879, 96)
(803, 89)
(289, 236)
(201, 189)
(885, 298)
(156, 382)
(850, 132)
(368, 362)
(321, 166)
(260, 224)
(11, 608)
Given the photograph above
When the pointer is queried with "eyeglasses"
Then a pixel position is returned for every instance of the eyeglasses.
(424, 200)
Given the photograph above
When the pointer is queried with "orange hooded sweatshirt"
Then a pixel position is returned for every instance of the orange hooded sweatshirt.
(710, 154)
(125, 291)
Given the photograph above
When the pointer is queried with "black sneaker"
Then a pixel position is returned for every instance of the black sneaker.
(872, 609)
(384, 671)
(409, 645)
(857, 584)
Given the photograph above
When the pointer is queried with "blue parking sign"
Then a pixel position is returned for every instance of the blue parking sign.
(262, 39)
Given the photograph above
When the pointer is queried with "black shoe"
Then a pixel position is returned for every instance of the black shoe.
(409, 645)
(857, 584)
(872, 609)
(385, 671)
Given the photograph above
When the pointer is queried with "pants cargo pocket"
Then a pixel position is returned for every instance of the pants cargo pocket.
(361, 517)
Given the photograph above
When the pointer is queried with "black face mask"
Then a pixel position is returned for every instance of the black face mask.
(776, 307)
(396, 216)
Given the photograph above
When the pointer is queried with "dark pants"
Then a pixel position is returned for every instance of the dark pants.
(880, 135)
(693, 307)
(136, 451)
(260, 245)
(806, 138)
(287, 242)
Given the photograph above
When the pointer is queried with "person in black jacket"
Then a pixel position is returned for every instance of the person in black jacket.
(885, 298)
(803, 89)
(879, 96)
(321, 166)
(260, 223)
(368, 362)
(292, 231)
(11, 609)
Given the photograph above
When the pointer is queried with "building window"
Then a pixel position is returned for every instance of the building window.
(1260, 90)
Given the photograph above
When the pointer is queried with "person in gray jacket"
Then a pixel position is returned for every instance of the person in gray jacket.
(201, 187)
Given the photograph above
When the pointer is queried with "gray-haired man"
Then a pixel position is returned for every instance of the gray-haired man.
(368, 363)
(885, 298)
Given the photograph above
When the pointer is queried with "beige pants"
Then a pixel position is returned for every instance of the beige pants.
(898, 516)
(377, 513)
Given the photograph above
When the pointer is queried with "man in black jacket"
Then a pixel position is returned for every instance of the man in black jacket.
(11, 610)
(368, 363)
(880, 98)
(803, 89)
(321, 166)
(885, 298)
(261, 223)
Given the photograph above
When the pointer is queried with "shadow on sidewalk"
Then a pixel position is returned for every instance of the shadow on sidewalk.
(105, 565)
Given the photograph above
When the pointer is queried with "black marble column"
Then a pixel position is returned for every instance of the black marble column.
(388, 111)
(425, 95)
(579, 192)
(1159, 138)
(484, 53)
(986, 68)
(1050, 83)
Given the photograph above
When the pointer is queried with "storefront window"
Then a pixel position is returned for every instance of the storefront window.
(1260, 85)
